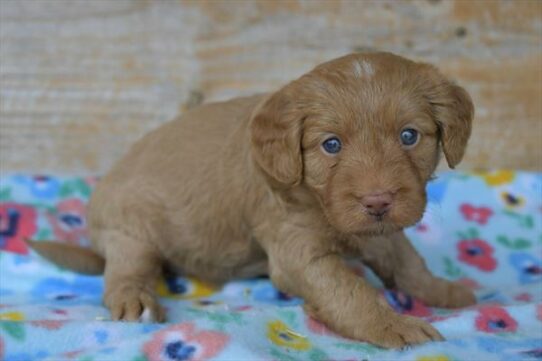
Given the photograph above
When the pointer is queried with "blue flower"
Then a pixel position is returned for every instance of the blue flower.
(265, 292)
(436, 190)
(41, 187)
(529, 267)
(179, 350)
(22, 356)
(509, 349)
(59, 289)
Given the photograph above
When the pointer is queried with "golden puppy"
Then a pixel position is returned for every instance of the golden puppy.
(333, 164)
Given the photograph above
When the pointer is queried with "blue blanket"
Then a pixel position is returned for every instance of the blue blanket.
(483, 229)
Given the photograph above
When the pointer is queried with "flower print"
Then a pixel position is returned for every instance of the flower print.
(69, 221)
(184, 288)
(44, 187)
(494, 319)
(439, 357)
(266, 292)
(529, 267)
(405, 304)
(11, 316)
(279, 333)
(17, 223)
(444, 317)
(59, 289)
(497, 178)
(318, 328)
(470, 283)
(48, 324)
(511, 200)
(182, 342)
(524, 297)
(422, 227)
(436, 190)
(476, 214)
(40, 186)
(477, 253)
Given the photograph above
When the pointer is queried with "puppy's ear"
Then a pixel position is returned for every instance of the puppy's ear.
(276, 130)
(453, 110)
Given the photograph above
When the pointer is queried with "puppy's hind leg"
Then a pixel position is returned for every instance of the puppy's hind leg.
(131, 272)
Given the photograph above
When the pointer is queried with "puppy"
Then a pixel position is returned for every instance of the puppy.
(334, 164)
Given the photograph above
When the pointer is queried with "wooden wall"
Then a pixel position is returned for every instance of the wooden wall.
(81, 80)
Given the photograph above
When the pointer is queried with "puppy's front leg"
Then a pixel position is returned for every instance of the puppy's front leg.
(303, 265)
(131, 271)
(412, 276)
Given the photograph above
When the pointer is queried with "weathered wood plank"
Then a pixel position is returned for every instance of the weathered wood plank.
(81, 80)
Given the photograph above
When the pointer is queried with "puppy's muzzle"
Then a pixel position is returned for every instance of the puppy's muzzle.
(377, 205)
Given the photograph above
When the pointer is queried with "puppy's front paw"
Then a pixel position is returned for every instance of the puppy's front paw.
(133, 303)
(399, 331)
(459, 296)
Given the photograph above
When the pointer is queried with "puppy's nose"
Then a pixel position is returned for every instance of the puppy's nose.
(377, 204)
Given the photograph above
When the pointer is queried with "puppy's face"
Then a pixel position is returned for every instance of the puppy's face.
(363, 133)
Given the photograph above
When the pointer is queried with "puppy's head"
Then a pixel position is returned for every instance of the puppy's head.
(363, 134)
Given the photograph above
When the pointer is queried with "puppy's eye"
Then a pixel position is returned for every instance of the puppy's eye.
(409, 137)
(332, 145)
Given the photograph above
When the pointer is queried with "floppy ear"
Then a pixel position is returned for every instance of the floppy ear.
(276, 130)
(453, 110)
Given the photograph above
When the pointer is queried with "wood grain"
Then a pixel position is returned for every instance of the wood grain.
(81, 80)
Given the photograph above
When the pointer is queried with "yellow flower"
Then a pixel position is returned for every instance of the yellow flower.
(497, 178)
(433, 358)
(282, 336)
(188, 289)
(511, 200)
(11, 316)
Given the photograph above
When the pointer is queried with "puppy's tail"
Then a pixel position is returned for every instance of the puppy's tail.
(78, 259)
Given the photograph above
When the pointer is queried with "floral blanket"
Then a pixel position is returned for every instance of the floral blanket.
(482, 228)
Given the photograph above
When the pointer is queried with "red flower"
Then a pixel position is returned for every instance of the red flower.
(405, 304)
(494, 319)
(470, 283)
(480, 214)
(17, 223)
(477, 253)
(439, 318)
(524, 296)
(48, 324)
(69, 221)
(183, 342)
(318, 328)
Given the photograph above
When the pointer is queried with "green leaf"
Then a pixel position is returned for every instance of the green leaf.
(450, 268)
(528, 222)
(281, 356)
(289, 317)
(140, 358)
(67, 189)
(14, 329)
(43, 234)
(504, 241)
(473, 233)
(318, 355)
(83, 187)
(361, 347)
(519, 243)
(5, 194)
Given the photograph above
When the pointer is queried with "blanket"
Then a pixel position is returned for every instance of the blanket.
(481, 228)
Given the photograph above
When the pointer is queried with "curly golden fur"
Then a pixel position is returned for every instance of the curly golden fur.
(245, 187)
